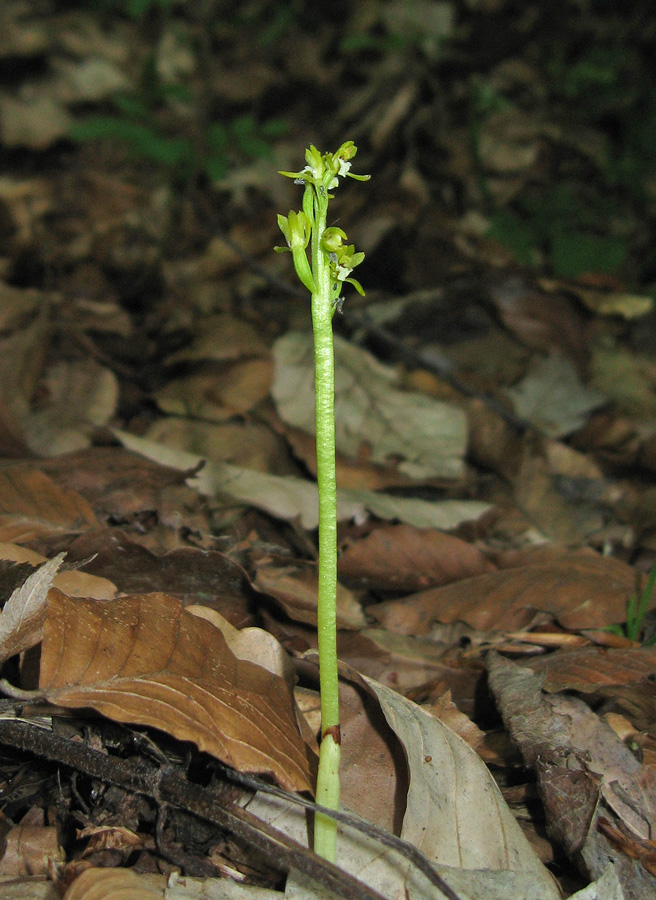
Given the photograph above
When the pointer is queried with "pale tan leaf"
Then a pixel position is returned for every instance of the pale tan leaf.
(81, 394)
(224, 338)
(454, 813)
(35, 123)
(218, 395)
(144, 659)
(21, 619)
(374, 418)
(553, 398)
(287, 497)
(474, 828)
(30, 850)
(256, 644)
(112, 884)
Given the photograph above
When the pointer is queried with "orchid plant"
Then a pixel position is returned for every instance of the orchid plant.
(332, 260)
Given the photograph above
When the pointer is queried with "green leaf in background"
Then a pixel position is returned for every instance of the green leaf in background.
(575, 253)
(515, 233)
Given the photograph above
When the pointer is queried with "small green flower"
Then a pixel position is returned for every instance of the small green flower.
(297, 229)
(342, 262)
(324, 170)
(333, 238)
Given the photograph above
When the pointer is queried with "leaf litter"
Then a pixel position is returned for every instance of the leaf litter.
(468, 528)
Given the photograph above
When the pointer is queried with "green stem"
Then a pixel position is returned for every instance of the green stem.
(325, 829)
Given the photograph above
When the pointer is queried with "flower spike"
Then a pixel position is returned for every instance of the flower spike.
(332, 262)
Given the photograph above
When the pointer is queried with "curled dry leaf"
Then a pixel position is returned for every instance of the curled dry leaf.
(21, 619)
(623, 673)
(144, 659)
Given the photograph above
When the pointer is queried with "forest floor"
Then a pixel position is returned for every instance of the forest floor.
(496, 449)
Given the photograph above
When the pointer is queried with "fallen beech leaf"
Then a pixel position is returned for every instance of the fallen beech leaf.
(33, 506)
(256, 644)
(287, 497)
(116, 483)
(81, 394)
(144, 659)
(592, 669)
(552, 397)
(474, 828)
(454, 813)
(546, 324)
(623, 674)
(403, 558)
(186, 572)
(111, 837)
(373, 418)
(216, 393)
(296, 588)
(582, 591)
(30, 850)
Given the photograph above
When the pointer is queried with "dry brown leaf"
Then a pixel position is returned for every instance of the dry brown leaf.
(21, 361)
(111, 837)
(583, 769)
(581, 591)
(296, 589)
(114, 481)
(144, 659)
(30, 850)
(33, 506)
(592, 669)
(564, 521)
(351, 473)
(444, 709)
(256, 644)
(403, 558)
(223, 338)
(217, 394)
(624, 674)
(112, 884)
(74, 583)
(187, 572)
(417, 667)
(247, 444)
(543, 323)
